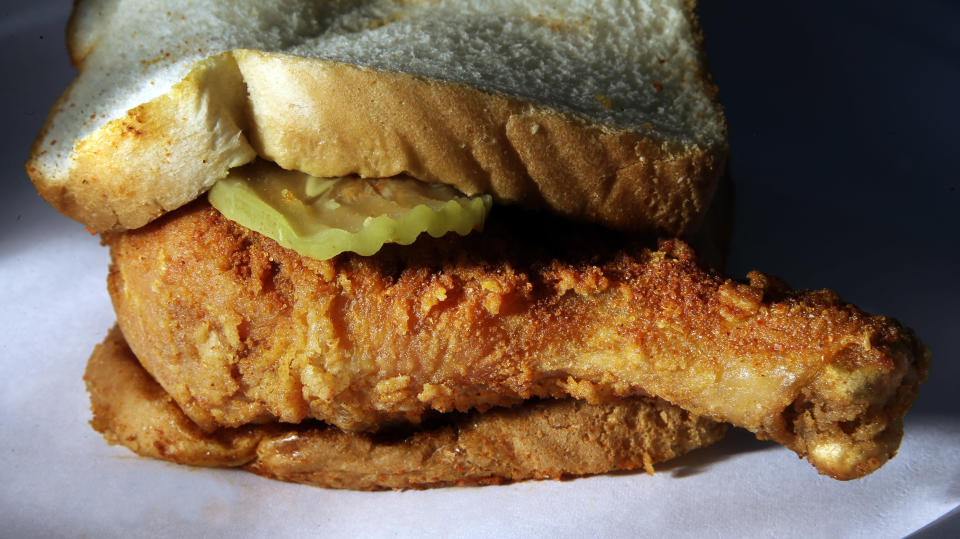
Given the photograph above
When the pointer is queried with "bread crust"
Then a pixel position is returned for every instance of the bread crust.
(538, 440)
(157, 156)
(376, 124)
(329, 119)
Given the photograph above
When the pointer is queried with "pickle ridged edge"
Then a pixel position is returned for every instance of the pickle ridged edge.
(237, 200)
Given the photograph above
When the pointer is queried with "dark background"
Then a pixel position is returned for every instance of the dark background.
(844, 138)
(843, 123)
(843, 130)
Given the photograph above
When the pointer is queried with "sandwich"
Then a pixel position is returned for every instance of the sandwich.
(407, 244)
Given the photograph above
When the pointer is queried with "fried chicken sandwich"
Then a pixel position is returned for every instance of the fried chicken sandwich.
(390, 244)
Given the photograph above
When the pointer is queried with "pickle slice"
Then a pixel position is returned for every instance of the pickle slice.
(323, 217)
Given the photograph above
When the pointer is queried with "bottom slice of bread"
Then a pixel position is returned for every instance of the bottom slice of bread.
(538, 440)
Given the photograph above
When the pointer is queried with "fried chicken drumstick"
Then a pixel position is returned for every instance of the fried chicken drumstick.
(240, 330)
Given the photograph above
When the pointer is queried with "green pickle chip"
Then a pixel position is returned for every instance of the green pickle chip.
(323, 217)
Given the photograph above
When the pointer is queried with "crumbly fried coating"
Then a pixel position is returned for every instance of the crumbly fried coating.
(238, 329)
(537, 440)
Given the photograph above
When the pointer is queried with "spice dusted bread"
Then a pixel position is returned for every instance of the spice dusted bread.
(599, 111)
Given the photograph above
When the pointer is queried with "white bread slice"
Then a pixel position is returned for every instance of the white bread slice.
(602, 111)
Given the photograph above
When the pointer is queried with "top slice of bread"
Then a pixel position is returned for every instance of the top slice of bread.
(602, 111)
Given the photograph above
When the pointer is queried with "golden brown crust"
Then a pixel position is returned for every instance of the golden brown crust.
(541, 440)
(130, 409)
(239, 330)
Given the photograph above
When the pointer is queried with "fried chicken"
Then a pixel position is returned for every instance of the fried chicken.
(538, 440)
(239, 330)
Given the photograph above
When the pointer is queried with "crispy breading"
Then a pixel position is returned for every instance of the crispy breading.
(537, 440)
(240, 330)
